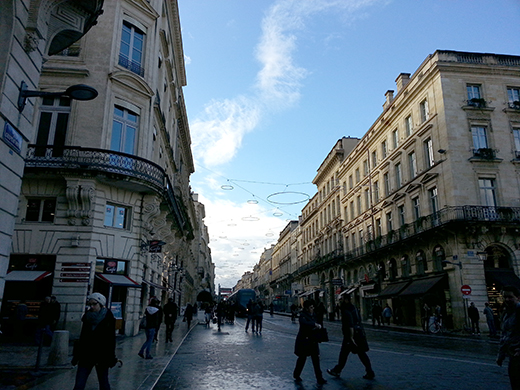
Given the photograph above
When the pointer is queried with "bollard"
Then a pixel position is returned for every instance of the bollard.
(59, 354)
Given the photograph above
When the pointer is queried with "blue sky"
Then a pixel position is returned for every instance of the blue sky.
(273, 84)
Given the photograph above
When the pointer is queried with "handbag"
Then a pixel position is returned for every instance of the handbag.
(142, 324)
(360, 339)
(321, 335)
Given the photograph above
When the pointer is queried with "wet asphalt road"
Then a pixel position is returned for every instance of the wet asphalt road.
(236, 360)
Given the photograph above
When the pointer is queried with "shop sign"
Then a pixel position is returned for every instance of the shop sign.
(75, 273)
(155, 246)
(13, 138)
(337, 282)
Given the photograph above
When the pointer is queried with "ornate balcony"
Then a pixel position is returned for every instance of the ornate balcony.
(125, 167)
(448, 215)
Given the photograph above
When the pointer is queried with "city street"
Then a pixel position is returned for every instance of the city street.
(234, 359)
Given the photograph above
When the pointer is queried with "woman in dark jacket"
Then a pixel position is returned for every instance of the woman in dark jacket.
(97, 343)
(152, 314)
(307, 344)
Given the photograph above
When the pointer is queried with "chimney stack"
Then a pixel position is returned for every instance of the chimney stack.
(402, 80)
(389, 98)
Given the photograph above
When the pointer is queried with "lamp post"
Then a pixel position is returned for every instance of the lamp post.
(464, 305)
(75, 92)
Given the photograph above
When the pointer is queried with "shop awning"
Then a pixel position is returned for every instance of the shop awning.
(502, 277)
(348, 291)
(118, 280)
(393, 289)
(421, 286)
(26, 276)
(155, 285)
(307, 293)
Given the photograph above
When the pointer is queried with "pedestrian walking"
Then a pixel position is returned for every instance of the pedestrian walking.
(250, 318)
(188, 314)
(20, 316)
(376, 314)
(306, 343)
(426, 313)
(354, 339)
(387, 314)
(294, 313)
(151, 314)
(258, 314)
(159, 320)
(96, 346)
(170, 311)
(320, 312)
(271, 309)
(45, 318)
(474, 316)
(510, 338)
(55, 309)
(490, 319)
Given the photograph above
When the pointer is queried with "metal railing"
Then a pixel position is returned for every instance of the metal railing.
(421, 225)
(102, 160)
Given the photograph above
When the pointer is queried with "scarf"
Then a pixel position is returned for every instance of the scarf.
(93, 318)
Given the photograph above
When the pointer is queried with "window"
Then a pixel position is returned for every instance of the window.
(395, 138)
(374, 159)
(516, 137)
(513, 97)
(389, 226)
(350, 182)
(116, 216)
(40, 210)
(434, 202)
(365, 168)
(358, 177)
(408, 125)
(52, 129)
(124, 130)
(384, 150)
(425, 112)
(359, 204)
(398, 176)
(428, 153)
(367, 199)
(416, 208)
(386, 180)
(352, 211)
(412, 158)
(379, 228)
(400, 211)
(479, 137)
(376, 192)
(475, 96)
(131, 51)
(487, 192)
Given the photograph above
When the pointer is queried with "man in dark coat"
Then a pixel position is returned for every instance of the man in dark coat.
(474, 316)
(45, 318)
(97, 343)
(170, 311)
(351, 323)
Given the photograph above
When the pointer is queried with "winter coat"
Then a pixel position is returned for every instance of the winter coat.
(153, 317)
(96, 345)
(306, 343)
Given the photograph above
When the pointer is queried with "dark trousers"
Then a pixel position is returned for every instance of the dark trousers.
(300, 363)
(169, 330)
(83, 373)
(475, 328)
(514, 372)
(343, 356)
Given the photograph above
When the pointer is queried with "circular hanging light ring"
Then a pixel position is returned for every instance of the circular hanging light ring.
(277, 213)
(250, 219)
(227, 187)
(305, 197)
(252, 201)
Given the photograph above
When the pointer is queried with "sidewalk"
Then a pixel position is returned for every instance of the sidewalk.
(136, 373)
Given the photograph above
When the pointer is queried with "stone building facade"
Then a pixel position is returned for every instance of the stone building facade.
(31, 32)
(427, 201)
(105, 202)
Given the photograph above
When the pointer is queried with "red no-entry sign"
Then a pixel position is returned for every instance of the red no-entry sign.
(465, 289)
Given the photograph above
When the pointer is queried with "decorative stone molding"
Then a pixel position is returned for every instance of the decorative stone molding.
(151, 210)
(86, 194)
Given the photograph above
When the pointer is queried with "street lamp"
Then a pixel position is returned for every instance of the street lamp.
(75, 92)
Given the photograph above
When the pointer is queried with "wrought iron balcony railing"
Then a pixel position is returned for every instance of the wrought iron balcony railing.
(102, 160)
(445, 216)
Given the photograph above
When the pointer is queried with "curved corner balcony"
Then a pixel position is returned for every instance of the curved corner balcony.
(121, 169)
